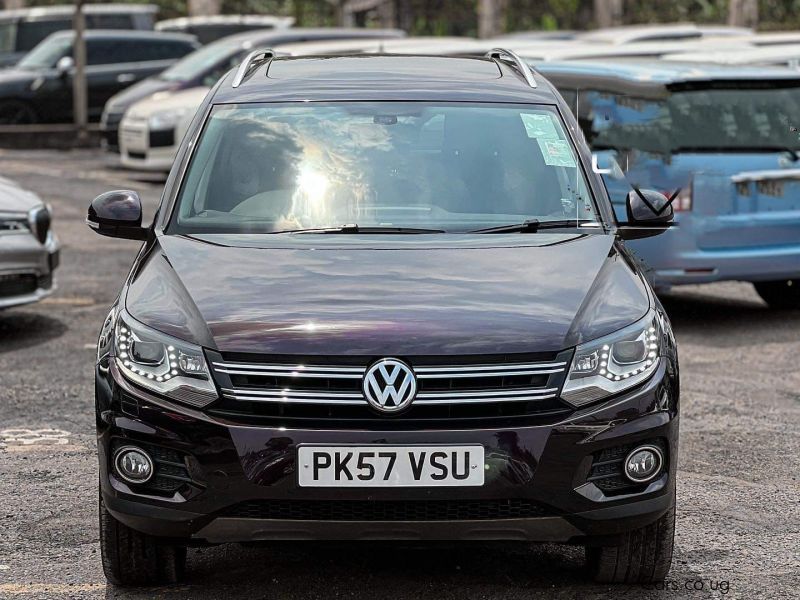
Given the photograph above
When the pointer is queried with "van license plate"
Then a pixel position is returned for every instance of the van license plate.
(390, 466)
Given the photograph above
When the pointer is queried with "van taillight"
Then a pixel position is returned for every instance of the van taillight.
(683, 201)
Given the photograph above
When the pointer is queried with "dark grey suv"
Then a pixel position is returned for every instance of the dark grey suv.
(385, 297)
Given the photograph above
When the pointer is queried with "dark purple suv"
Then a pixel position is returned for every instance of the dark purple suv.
(385, 297)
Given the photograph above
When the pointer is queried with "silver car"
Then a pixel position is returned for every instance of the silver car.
(29, 249)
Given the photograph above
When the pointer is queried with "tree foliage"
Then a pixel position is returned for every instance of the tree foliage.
(458, 17)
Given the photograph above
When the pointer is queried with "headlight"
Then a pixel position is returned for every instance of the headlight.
(39, 222)
(167, 119)
(161, 363)
(614, 363)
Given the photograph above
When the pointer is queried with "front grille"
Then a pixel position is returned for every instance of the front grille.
(170, 468)
(607, 471)
(368, 510)
(110, 128)
(18, 285)
(162, 138)
(467, 389)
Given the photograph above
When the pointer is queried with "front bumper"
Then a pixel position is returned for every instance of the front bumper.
(232, 464)
(145, 149)
(22, 259)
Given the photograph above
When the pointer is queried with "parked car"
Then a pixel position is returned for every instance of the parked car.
(152, 129)
(725, 138)
(21, 29)
(385, 297)
(664, 32)
(207, 65)
(213, 27)
(39, 88)
(578, 50)
(787, 55)
(554, 35)
(29, 249)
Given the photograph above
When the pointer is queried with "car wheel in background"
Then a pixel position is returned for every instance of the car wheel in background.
(15, 112)
(784, 294)
(640, 556)
(134, 558)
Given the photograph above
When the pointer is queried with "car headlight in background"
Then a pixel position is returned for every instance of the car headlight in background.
(161, 363)
(168, 118)
(616, 362)
(39, 222)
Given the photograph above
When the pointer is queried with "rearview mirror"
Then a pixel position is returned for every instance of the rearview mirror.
(117, 214)
(65, 64)
(649, 213)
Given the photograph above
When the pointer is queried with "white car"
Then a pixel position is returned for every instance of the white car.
(782, 55)
(152, 129)
(29, 249)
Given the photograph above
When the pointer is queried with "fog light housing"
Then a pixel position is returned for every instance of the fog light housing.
(133, 464)
(643, 463)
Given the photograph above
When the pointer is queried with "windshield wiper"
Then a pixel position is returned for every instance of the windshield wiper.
(534, 225)
(366, 229)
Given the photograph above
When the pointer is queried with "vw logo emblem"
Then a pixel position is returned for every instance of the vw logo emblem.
(389, 385)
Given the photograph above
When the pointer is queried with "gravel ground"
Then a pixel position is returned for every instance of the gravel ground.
(738, 513)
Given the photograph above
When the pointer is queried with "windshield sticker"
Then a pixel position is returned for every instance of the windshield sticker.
(556, 153)
(539, 126)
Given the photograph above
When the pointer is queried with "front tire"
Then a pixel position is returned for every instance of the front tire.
(134, 558)
(782, 295)
(640, 556)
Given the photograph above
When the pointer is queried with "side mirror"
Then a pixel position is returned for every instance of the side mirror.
(117, 214)
(64, 65)
(649, 213)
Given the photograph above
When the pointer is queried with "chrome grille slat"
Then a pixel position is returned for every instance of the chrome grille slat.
(283, 400)
(292, 393)
(356, 399)
(290, 374)
(487, 400)
(481, 393)
(471, 374)
(486, 368)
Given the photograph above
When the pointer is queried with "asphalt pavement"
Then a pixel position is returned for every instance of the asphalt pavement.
(738, 532)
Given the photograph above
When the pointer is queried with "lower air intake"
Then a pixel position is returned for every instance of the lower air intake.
(357, 510)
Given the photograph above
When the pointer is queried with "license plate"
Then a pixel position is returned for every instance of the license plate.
(390, 466)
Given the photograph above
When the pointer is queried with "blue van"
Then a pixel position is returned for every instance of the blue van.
(724, 140)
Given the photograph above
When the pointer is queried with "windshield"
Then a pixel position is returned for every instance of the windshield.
(198, 64)
(453, 167)
(46, 54)
(762, 118)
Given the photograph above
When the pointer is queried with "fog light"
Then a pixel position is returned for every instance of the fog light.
(643, 463)
(133, 464)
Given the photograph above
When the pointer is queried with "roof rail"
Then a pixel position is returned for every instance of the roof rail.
(252, 61)
(501, 54)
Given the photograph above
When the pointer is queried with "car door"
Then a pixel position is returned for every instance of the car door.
(113, 65)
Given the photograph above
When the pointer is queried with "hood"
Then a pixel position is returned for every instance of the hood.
(17, 79)
(119, 103)
(14, 199)
(453, 294)
(188, 100)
